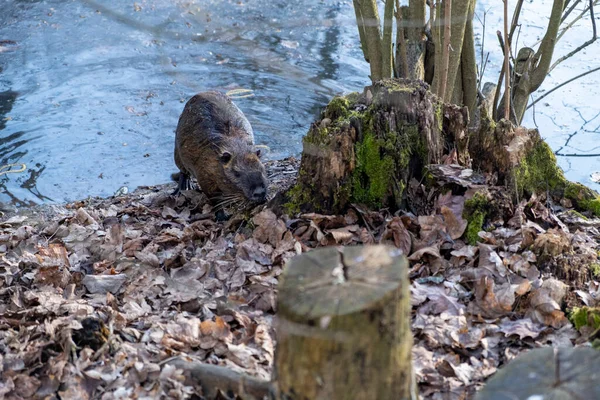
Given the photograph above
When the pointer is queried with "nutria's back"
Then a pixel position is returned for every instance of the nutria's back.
(214, 143)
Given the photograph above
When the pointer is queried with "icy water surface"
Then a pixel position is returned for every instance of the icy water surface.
(90, 91)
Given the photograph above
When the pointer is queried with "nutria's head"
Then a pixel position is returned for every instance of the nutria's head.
(244, 174)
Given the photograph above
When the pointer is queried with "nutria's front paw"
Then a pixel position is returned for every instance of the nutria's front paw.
(184, 183)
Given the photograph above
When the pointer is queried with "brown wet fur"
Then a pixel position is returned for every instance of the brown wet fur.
(209, 128)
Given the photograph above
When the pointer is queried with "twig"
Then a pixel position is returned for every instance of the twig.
(507, 84)
(577, 155)
(515, 21)
(563, 84)
(584, 45)
(569, 11)
(446, 48)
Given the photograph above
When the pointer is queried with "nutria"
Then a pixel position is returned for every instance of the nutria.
(214, 143)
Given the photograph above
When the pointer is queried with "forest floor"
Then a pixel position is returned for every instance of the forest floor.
(97, 296)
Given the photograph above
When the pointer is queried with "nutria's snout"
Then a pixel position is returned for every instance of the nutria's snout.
(257, 184)
(259, 194)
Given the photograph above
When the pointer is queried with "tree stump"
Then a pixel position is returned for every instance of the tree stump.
(344, 326)
(366, 147)
(547, 373)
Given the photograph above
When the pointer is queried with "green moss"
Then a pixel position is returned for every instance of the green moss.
(595, 270)
(585, 316)
(591, 205)
(373, 175)
(337, 108)
(539, 172)
(475, 211)
(583, 197)
(474, 226)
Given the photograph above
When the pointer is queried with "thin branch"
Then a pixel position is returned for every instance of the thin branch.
(584, 45)
(446, 48)
(546, 49)
(500, 80)
(563, 84)
(515, 21)
(401, 57)
(386, 52)
(506, 65)
(569, 11)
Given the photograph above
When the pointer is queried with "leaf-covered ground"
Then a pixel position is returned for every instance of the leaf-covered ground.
(97, 296)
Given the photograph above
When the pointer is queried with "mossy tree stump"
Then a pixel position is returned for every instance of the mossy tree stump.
(367, 147)
(344, 326)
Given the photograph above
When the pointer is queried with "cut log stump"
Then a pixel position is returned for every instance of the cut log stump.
(549, 374)
(344, 326)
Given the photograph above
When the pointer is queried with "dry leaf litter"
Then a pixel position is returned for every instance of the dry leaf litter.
(97, 296)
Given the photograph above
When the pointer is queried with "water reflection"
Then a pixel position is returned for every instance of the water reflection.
(99, 112)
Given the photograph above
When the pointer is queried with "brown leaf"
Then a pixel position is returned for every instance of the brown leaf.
(397, 232)
(492, 301)
(545, 303)
(269, 229)
(455, 224)
(522, 327)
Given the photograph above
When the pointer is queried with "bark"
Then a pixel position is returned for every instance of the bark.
(386, 51)
(548, 373)
(437, 43)
(344, 326)
(401, 56)
(415, 33)
(444, 75)
(469, 66)
(508, 88)
(459, 17)
(369, 24)
(538, 68)
(366, 148)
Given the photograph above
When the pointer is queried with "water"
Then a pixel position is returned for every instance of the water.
(90, 91)
(569, 118)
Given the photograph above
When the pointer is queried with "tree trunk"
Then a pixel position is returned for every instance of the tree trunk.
(367, 18)
(535, 67)
(414, 16)
(344, 326)
(367, 147)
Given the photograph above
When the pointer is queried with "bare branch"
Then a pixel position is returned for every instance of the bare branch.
(569, 11)
(507, 84)
(584, 45)
(563, 84)
(446, 48)
(386, 52)
(546, 50)
(369, 22)
(401, 58)
(515, 21)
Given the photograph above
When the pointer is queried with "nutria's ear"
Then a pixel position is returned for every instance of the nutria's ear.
(225, 157)
(258, 153)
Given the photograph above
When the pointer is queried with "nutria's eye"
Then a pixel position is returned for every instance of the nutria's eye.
(225, 157)
(236, 173)
(258, 153)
